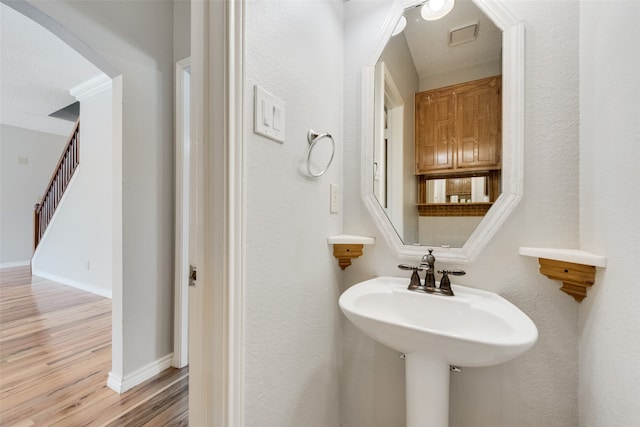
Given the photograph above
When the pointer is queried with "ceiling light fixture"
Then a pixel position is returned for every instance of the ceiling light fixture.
(402, 22)
(436, 9)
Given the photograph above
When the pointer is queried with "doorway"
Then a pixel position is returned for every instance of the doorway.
(48, 23)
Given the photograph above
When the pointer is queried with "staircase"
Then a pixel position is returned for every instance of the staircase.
(69, 160)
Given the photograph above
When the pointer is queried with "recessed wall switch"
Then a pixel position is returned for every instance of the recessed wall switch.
(277, 118)
(269, 115)
(334, 198)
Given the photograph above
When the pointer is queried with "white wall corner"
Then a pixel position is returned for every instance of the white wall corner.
(121, 384)
(91, 87)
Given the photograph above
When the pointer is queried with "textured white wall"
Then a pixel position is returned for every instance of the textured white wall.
(609, 176)
(22, 185)
(292, 324)
(136, 38)
(475, 72)
(441, 230)
(540, 387)
(77, 247)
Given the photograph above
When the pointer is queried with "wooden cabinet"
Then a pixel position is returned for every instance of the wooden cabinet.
(434, 131)
(458, 128)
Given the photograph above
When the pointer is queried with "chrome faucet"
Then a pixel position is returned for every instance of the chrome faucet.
(427, 263)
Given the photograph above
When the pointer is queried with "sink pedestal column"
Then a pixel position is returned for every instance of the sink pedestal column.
(427, 391)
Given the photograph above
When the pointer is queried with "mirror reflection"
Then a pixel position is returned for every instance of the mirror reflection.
(437, 116)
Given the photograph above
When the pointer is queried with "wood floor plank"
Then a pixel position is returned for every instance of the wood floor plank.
(55, 355)
(111, 408)
(157, 412)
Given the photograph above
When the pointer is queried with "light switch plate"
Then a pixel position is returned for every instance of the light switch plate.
(334, 205)
(268, 115)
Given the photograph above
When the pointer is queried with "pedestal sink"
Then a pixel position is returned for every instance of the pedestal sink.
(473, 328)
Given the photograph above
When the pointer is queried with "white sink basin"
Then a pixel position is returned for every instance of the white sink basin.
(472, 328)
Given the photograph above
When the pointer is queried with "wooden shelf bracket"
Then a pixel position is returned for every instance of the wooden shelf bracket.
(574, 268)
(346, 252)
(347, 247)
(575, 278)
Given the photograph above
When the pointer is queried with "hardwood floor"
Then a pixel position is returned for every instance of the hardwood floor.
(55, 355)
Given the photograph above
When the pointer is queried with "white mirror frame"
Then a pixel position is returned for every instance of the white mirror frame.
(512, 133)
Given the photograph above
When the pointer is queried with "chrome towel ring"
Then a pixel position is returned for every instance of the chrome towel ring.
(313, 138)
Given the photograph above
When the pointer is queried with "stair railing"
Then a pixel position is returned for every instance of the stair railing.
(43, 211)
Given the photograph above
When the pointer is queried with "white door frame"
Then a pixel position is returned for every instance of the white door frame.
(216, 310)
(395, 134)
(183, 182)
(389, 127)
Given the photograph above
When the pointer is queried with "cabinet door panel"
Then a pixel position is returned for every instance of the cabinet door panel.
(466, 129)
(478, 124)
(434, 114)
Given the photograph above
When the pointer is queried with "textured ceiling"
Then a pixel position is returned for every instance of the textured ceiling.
(36, 72)
(429, 40)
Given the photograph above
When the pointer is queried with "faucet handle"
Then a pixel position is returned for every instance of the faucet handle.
(454, 272)
(415, 278)
(410, 267)
(445, 283)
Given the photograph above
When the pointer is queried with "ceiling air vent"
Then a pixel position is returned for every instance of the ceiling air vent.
(463, 34)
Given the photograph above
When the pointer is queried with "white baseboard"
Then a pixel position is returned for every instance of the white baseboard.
(122, 384)
(15, 264)
(73, 283)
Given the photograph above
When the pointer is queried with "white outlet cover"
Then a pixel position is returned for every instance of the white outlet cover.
(268, 115)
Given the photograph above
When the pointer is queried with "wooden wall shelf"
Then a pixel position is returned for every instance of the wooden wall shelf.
(454, 209)
(574, 268)
(347, 247)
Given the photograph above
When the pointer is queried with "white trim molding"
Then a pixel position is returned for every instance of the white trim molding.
(72, 283)
(236, 215)
(117, 317)
(182, 213)
(216, 333)
(91, 87)
(122, 384)
(513, 82)
(15, 264)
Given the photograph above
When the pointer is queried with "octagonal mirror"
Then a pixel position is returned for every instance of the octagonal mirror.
(442, 127)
